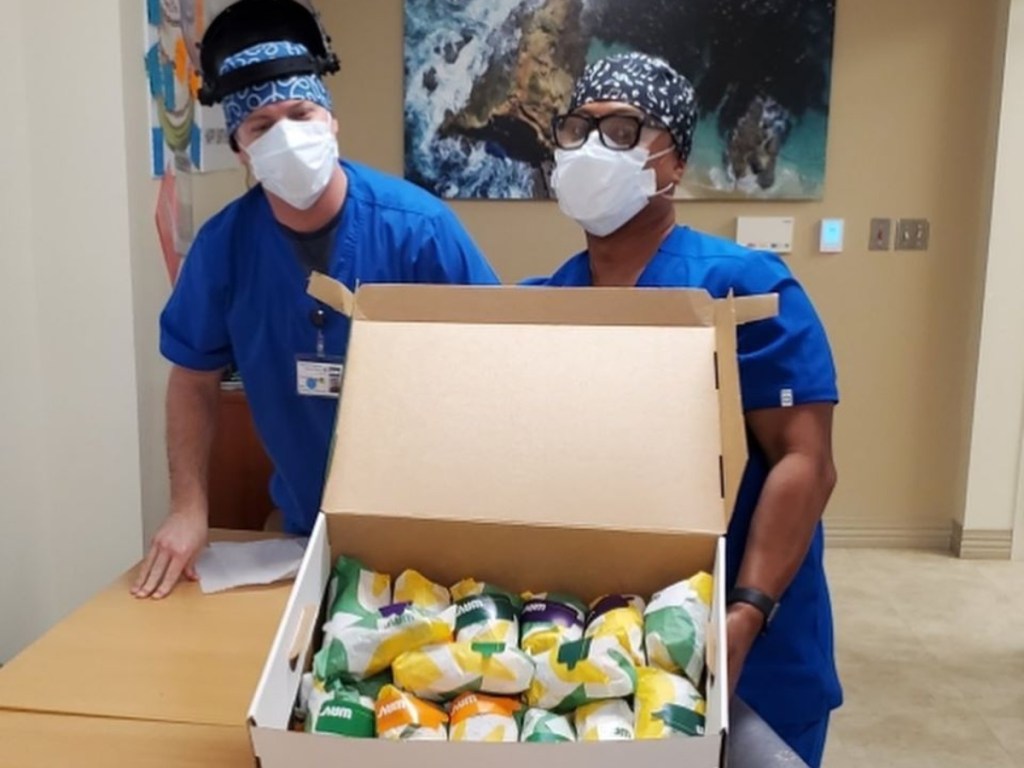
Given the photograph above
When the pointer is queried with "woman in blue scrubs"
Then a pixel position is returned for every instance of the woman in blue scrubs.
(622, 149)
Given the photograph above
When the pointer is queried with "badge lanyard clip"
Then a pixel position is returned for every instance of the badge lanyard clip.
(319, 319)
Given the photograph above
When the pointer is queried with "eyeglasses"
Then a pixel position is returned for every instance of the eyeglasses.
(619, 132)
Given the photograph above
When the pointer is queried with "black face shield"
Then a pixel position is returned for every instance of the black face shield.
(251, 22)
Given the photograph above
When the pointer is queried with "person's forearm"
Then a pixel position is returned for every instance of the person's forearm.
(791, 505)
(192, 402)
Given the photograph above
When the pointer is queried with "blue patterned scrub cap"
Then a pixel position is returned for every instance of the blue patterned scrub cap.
(240, 104)
(647, 83)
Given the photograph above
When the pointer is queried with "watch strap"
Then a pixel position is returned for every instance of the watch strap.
(755, 597)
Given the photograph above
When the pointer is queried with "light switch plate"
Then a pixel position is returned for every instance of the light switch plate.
(913, 234)
(880, 237)
(766, 233)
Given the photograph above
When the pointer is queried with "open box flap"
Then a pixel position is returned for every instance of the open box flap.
(510, 305)
(577, 426)
(333, 293)
(732, 424)
(482, 404)
(503, 304)
(750, 309)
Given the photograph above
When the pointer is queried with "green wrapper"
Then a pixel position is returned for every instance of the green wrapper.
(340, 710)
(675, 627)
(543, 727)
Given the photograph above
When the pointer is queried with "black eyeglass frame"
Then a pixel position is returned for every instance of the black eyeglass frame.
(595, 123)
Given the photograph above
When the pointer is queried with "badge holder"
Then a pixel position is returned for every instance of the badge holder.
(319, 375)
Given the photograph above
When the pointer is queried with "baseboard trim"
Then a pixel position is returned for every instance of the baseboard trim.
(973, 544)
(841, 534)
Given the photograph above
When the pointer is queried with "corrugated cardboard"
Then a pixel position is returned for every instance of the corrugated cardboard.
(597, 433)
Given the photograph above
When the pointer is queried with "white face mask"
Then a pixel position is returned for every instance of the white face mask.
(295, 160)
(601, 188)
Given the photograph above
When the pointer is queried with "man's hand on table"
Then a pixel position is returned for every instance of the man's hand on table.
(172, 554)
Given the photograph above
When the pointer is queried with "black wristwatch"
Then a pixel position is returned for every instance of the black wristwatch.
(755, 597)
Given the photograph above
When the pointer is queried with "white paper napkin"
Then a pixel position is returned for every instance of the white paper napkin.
(226, 565)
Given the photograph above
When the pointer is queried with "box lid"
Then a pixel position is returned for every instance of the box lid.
(594, 408)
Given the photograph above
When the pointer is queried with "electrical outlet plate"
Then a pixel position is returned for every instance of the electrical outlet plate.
(880, 237)
(913, 234)
(766, 233)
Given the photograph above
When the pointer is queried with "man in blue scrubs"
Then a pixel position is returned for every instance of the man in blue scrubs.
(622, 149)
(241, 298)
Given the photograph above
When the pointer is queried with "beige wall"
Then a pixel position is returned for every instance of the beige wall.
(150, 284)
(69, 465)
(996, 481)
(25, 602)
(912, 91)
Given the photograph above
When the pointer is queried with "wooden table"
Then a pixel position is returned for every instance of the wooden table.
(29, 740)
(174, 678)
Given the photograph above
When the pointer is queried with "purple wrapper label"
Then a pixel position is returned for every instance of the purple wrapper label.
(547, 612)
(608, 604)
(395, 609)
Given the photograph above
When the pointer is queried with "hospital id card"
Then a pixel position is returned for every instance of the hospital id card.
(319, 376)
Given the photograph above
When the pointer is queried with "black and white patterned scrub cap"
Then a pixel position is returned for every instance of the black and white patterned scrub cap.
(647, 83)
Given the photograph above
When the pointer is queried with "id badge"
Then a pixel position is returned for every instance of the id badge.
(319, 376)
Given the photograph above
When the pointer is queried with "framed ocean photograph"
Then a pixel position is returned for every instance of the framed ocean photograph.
(483, 79)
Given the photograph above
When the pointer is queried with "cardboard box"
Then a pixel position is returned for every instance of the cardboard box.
(597, 434)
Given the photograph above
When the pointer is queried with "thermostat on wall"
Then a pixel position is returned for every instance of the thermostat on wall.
(832, 231)
(765, 233)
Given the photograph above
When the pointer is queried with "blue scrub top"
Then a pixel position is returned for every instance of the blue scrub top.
(241, 298)
(790, 677)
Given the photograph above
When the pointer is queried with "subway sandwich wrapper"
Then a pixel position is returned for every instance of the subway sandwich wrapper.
(596, 434)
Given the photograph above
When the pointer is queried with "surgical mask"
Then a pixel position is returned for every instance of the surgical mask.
(295, 160)
(602, 189)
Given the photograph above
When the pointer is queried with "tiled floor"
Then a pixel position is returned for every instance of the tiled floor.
(931, 654)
